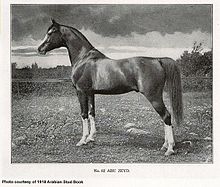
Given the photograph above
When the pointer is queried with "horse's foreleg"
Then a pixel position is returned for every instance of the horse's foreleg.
(91, 102)
(83, 100)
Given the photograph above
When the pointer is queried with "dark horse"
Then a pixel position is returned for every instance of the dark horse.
(94, 73)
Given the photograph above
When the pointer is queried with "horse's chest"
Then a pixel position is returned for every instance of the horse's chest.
(80, 78)
(74, 76)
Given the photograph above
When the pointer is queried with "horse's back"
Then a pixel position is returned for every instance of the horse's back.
(113, 76)
(124, 75)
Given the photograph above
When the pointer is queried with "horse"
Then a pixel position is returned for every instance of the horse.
(94, 73)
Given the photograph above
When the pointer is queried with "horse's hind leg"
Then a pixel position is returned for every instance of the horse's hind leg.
(91, 103)
(168, 130)
(158, 104)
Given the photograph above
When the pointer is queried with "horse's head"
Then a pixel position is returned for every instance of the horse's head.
(53, 39)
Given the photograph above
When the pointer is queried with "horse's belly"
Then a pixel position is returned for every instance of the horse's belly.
(115, 90)
(113, 86)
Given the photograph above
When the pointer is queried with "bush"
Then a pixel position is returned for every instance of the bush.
(196, 84)
(196, 63)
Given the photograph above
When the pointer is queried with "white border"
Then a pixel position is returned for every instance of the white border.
(154, 174)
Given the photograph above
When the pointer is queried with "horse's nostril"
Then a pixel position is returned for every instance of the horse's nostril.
(40, 51)
(39, 48)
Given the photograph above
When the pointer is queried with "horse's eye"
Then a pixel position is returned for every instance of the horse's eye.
(51, 31)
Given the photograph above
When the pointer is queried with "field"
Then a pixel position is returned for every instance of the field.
(46, 128)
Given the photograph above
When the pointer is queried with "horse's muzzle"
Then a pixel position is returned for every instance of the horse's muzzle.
(41, 51)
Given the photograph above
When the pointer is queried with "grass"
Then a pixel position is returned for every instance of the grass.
(46, 130)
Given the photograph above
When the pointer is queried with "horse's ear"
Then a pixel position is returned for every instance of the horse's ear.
(53, 21)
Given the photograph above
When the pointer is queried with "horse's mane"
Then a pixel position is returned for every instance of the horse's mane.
(78, 33)
(94, 53)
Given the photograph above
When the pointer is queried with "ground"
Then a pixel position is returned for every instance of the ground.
(46, 130)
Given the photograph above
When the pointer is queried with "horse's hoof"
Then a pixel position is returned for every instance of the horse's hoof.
(163, 148)
(169, 152)
(90, 139)
(80, 143)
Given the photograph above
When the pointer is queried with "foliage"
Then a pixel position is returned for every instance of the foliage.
(34, 67)
(196, 84)
(34, 72)
(196, 63)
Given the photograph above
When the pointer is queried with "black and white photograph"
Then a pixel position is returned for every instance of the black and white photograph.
(111, 83)
(103, 93)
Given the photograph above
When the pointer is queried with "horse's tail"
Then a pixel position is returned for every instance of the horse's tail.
(174, 87)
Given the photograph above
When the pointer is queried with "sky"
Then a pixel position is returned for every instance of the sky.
(118, 31)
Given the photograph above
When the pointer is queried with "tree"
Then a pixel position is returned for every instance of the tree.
(27, 72)
(206, 63)
(196, 63)
(34, 66)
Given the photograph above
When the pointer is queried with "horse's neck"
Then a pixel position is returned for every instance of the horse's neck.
(78, 46)
(76, 55)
